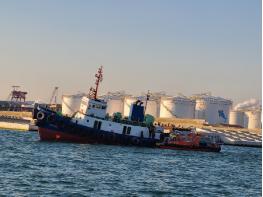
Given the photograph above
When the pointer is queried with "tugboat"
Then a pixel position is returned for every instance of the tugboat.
(91, 124)
(180, 139)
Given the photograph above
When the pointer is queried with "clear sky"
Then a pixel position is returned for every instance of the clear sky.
(186, 46)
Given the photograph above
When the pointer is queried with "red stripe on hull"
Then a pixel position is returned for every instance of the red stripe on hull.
(52, 135)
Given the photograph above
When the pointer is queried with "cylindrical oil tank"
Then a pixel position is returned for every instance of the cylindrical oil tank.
(71, 104)
(200, 109)
(224, 107)
(254, 119)
(115, 104)
(115, 101)
(213, 109)
(128, 101)
(237, 118)
(153, 108)
(153, 105)
(180, 107)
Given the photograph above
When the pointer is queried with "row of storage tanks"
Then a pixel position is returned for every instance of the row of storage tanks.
(247, 119)
(214, 110)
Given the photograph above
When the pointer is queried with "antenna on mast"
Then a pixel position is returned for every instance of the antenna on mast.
(99, 77)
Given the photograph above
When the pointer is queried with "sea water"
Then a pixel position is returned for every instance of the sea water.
(29, 167)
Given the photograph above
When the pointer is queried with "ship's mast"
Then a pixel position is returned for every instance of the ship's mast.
(147, 99)
(99, 77)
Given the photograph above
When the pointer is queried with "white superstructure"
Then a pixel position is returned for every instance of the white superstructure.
(92, 114)
(180, 107)
(71, 104)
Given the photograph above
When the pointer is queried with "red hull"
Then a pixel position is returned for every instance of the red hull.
(51, 135)
(208, 149)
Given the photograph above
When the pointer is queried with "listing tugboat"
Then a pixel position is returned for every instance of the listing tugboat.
(180, 139)
(91, 124)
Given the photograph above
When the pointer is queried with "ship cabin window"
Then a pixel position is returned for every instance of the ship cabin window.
(126, 130)
(129, 130)
(97, 125)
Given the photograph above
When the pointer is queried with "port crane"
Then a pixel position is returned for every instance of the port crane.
(54, 96)
(17, 95)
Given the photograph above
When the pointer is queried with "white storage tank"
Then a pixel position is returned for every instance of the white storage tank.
(153, 107)
(224, 108)
(213, 109)
(180, 107)
(254, 119)
(71, 104)
(114, 105)
(115, 102)
(237, 118)
(153, 104)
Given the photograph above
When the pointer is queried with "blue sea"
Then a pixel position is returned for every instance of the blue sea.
(29, 167)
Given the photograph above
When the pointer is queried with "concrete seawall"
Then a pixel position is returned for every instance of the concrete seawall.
(17, 114)
(16, 121)
(14, 126)
(236, 138)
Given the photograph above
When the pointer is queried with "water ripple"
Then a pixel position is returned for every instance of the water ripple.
(29, 167)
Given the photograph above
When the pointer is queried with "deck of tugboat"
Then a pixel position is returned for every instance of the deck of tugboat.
(112, 119)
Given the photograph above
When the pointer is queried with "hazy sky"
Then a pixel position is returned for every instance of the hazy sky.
(186, 46)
